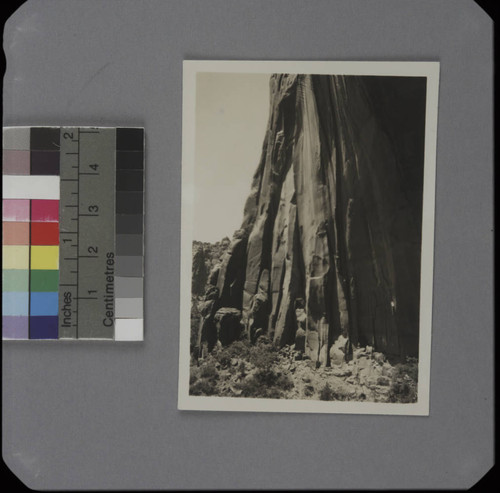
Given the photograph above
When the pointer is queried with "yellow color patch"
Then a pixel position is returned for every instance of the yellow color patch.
(15, 256)
(45, 257)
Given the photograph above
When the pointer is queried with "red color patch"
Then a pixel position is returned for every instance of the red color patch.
(45, 233)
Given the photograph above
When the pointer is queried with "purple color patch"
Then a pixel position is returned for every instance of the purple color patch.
(16, 162)
(14, 327)
(44, 162)
(44, 327)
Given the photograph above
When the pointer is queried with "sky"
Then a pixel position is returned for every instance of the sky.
(232, 110)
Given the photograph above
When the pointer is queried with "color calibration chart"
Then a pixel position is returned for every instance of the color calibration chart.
(73, 233)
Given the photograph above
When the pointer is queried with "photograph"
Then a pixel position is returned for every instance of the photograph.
(307, 236)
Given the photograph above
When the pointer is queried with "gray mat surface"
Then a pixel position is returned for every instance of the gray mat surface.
(104, 415)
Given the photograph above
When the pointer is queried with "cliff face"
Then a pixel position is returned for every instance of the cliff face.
(330, 240)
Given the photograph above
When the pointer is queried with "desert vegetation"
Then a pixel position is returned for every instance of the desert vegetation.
(262, 370)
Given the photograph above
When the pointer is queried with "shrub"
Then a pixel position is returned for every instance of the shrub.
(263, 354)
(404, 384)
(203, 380)
(266, 377)
(273, 393)
(326, 393)
(265, 383)
(308, 390)
(194, 374)
(240, 347)
(411, 368)
(203, 387)
(329, 394)
(284, 382)
(250, 388)
(403, 390)
(383, 381)
(269, 378)
(224, 359)
(209, 372)
(237, 349)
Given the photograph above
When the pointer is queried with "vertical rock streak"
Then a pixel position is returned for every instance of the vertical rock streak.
(327, 245)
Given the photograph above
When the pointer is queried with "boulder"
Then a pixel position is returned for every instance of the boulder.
(206, 308)
(342, 372)
(300, 339)
(336, 356)
(337, 351)
(358, 353)
(228, 325)
(387, 370)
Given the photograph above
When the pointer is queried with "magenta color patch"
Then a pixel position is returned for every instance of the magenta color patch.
(16, 210)
(15, 327)
(45, 210)
(16, 162)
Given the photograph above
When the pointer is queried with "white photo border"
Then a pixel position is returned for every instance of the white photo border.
(191, 68)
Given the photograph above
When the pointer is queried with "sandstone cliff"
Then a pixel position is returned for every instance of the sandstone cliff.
(329, 247)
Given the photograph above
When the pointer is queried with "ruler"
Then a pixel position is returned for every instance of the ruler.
(87, 233)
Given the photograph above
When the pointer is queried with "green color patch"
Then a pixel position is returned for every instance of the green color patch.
(44, 280)
(15, 280)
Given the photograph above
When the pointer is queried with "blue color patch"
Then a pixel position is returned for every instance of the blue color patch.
(44, 327)
(15, 304)
(44, 303)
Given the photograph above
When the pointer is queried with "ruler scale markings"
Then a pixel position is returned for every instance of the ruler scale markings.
(96, 238)
(78, 235)
(92, 217)
(68, 284)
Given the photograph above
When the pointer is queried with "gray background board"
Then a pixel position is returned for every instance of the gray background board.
(102, 415)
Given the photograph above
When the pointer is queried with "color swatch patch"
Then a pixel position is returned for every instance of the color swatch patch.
(73, 233)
